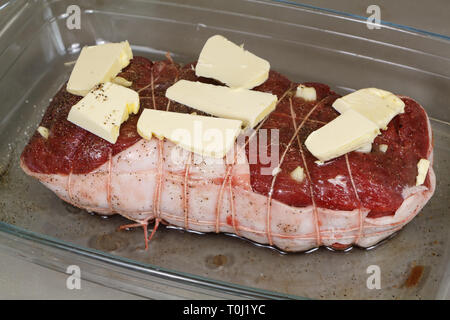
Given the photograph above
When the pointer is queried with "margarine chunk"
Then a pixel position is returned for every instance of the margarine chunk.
(346, 133)
(104, 109)
(98, 64)
(242, 104)
(422, 170)
(207, 136)
(377, 105)
(229, 63)
(307, 93)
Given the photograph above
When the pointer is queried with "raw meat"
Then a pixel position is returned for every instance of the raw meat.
(358, 198)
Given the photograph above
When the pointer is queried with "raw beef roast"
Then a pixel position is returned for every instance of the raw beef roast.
(358, 198)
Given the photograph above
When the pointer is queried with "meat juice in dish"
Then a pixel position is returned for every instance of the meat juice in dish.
(357, 198)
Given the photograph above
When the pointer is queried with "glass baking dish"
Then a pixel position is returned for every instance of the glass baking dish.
(306, 44)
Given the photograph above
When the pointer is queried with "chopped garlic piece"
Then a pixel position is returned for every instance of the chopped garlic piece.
(422, 169)
(122, 82)
(383, 147)
(307, 93)
(44, 132)
(298, 174)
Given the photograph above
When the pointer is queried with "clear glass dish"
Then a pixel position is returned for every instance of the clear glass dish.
(302, 42)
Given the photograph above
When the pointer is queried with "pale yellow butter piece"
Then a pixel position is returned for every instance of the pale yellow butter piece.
(242, 104)
(98, 64)
(229, 63)
(366, 148)
(377, 105)
(122, 81)
(298, 174)
(206, 136)
(422, 170)
(346, 133)
(104, 109)
(43, 131)
(307, 93)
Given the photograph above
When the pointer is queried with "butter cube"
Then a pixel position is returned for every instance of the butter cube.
(104, 109)
(229, 63)
(346, 133)
(242, 104)
(377, 105)
(206, 136)
(98, 64)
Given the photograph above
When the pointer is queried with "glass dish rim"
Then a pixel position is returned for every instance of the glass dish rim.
(343, 14)
(196, 281)
(327, 11)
